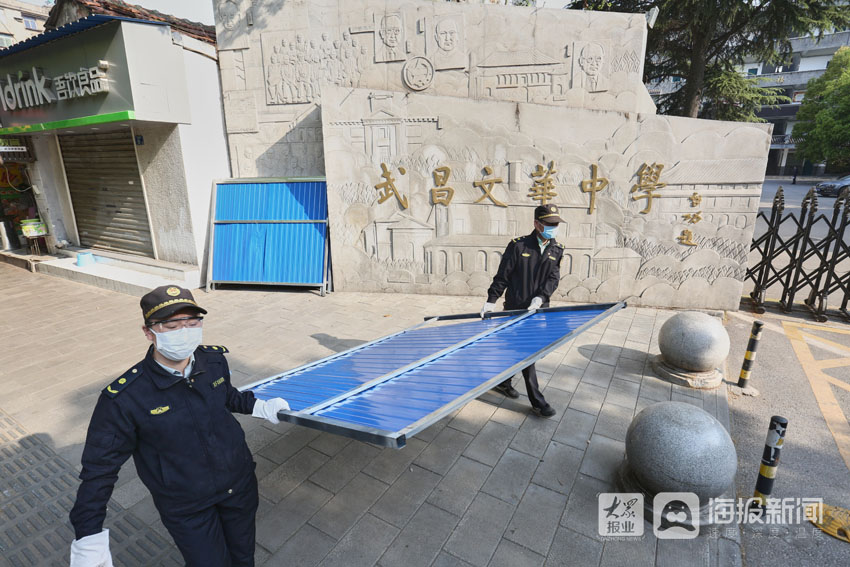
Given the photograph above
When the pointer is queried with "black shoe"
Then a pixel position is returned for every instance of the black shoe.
(507, 390)
(545, 411)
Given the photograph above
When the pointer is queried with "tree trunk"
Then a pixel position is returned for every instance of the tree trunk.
(696, 76)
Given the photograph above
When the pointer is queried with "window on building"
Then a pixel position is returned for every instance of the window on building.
(676, 79)
(753, 71)
(798, 96)
(30, 23)
(6, 40)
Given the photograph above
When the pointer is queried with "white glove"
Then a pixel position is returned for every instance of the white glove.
(535, 304)
(488, 307)
(91, 551)
(267, 409)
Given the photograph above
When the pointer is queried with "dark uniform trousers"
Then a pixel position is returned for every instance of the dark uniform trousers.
(189, 451)
(526, 272)
(219, 536)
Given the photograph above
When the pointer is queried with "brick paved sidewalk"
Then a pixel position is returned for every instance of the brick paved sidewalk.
(489, 485)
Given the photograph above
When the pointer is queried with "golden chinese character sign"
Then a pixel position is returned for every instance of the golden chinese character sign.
(425, 192)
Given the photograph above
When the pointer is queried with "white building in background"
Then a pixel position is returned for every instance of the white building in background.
(808, 60)
(20, 21)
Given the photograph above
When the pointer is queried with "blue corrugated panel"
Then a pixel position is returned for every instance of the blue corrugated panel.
(271, 201)
(264, 251)
(323, 381)
(388, 389)
(406, 399)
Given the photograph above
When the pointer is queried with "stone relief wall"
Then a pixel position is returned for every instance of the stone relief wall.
(425, 192)
(276, 59)
(440, 126)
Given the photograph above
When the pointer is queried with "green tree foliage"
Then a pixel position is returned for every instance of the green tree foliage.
(728, 95)
(823, 121)
(702, 42)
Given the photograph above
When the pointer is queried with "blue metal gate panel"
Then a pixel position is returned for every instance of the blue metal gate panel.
(394, 387)
(270, 232)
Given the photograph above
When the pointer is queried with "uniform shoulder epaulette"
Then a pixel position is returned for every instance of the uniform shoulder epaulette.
(559, 245)
(214, 348)
(518, 238)
(123, 381)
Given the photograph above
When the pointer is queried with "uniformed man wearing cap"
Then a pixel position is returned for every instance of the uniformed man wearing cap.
(173, 413)
(528, 275)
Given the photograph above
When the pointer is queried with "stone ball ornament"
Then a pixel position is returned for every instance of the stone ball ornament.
(678, 447)
(693, 347)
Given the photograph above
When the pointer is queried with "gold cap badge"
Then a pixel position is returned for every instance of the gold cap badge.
(173, 291)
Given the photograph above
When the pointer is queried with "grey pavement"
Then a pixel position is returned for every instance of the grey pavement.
(811, 463)
(490, 484)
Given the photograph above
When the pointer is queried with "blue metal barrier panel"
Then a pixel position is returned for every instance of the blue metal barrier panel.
(270, 233)
(389, 389)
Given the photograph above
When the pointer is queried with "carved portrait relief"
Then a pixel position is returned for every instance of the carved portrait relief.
(445, 43)
(390, 37)
(589, 71)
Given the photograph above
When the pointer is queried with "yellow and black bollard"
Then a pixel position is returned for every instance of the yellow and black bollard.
(769, 460)
(750, 358)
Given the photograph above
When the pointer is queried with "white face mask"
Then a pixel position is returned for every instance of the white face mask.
(180, 344)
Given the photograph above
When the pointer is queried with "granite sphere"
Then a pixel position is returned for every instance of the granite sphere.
(678, 447)
(693, 341)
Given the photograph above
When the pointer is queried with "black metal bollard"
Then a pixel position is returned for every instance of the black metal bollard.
(769, 460)
(750, 355)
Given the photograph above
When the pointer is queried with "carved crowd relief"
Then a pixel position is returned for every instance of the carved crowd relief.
(297, 67)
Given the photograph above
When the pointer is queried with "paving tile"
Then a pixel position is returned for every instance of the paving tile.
(403, 498)
(306, 548)
(337, 472)
(588, 398)
(536, 519)
(287, 517)
(343, 510)
(643, 403)
(480, 530)
(130, 493)
(655, 389)
(510, 476)
(570, 548)
(679, 397)
(534, 436)
(669, 552)
(575, 428)
(633, 551)
(390, 463)
(472, 417)
(578, 357)
(509, 554)
(363, 544)
(456, 490)
(293, 441)
(613, 421)
(598, 374)
(512, 415)
(607, 354)
(447, 560)
(558, 467)
(329, 444)
(583, 504)
(487, 447)
(566, 378)
(602, 458)
(444, 450)
(421, 540)
(285, 478)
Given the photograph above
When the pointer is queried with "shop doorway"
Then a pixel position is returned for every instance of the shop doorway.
(106, 191)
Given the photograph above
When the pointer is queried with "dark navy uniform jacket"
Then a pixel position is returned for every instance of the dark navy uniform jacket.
(526, 273)
(188, 448)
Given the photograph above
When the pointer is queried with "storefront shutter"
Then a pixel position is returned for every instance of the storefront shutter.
(106, 191)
